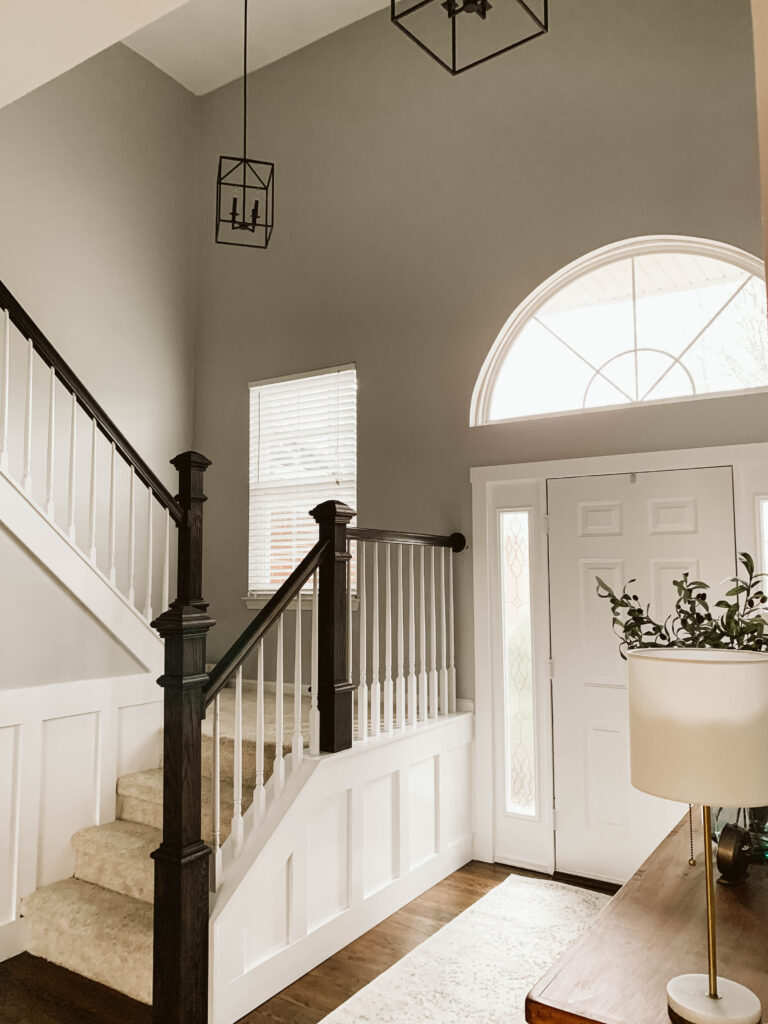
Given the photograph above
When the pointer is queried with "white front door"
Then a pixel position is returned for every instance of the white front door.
(650, 527)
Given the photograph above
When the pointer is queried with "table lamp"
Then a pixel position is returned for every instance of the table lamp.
(698, 730)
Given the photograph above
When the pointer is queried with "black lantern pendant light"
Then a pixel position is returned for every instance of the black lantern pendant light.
(244, 188)
(460, 34)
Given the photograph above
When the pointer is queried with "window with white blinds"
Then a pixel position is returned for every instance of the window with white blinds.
(303, 450)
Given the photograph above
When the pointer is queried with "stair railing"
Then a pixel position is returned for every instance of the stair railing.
(122, 495)
(412, 692)
(328, 576)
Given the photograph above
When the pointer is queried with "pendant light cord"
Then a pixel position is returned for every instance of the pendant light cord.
(245, 76)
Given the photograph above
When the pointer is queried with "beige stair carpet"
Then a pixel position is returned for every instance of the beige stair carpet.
(103, 935)
(227, 733)
(116, 856)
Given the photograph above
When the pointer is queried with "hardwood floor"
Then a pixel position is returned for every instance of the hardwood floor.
(330, 984)
(33, 991)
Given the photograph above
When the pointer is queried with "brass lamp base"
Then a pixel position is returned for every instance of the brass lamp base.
(689, 1002)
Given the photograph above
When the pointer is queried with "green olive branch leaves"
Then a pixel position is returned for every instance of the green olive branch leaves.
(738, 623)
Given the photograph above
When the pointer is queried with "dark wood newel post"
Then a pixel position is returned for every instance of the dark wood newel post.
(334, 691)
(180, 964)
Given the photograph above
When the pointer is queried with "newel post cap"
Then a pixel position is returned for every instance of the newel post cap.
(332, 511)
(190, 460)
(182, 620)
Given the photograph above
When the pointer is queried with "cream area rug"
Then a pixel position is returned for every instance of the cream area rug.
(479, 967)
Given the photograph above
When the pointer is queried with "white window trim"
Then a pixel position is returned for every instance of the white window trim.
(301, 376)
(645, 245)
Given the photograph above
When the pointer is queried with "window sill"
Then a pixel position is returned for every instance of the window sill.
(255, 602)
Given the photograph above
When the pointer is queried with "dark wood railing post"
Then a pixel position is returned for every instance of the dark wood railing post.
(180, 965)
(334, 691)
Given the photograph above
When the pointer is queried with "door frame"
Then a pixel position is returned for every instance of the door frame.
(494, 488)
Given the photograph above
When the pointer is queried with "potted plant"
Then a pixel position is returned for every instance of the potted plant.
(738, 621)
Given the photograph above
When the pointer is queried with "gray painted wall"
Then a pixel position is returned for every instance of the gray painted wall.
(97, 237)
(414, 212)
(77, 646)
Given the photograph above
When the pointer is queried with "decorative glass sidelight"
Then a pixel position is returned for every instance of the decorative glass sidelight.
(762, 504)
(518, 661)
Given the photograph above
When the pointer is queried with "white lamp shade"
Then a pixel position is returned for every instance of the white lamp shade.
(698, 725)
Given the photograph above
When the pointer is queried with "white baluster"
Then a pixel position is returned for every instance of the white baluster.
(112, 514)
(443, 669)
(132, 538)
(216, 795)
(314, 714)
(5, 368)
(297, 742)
(423, 681)
(26, 480)
(349, 634)
(375, 684)
(259, 793)
(362, 689)
(388, 695)
(49, 499)
(237, 767)
(451, 638)
(92, 514)
(72, 529)
(150, 545)
(166, 561)
(432, 637)
(400, 682)
(279, 769)
(412, 711)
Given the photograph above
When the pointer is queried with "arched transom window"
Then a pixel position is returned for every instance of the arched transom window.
(647, 320)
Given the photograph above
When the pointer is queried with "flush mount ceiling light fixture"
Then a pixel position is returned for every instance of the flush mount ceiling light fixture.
(244, 188)
(460, 34)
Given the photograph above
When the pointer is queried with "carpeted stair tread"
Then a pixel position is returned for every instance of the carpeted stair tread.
(117, 856)
(100, 934)
(140, 799)
(227, 715)
(227, 732)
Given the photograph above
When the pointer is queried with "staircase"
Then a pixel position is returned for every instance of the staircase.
(99, 922)
(287, 815)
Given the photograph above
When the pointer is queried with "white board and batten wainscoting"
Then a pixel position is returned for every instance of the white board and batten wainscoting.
(62, 749)
(552, 789)
(356, 836)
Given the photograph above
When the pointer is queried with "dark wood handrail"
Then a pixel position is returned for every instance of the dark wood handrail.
(268, 615)
(456, 541)
(29, 329)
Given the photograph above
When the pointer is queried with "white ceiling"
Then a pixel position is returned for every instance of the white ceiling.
(201, 43)
(41, 39)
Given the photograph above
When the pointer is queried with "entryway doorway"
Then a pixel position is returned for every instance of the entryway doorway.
(553, 789)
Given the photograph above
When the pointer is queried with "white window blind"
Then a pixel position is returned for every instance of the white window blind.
(303, 450)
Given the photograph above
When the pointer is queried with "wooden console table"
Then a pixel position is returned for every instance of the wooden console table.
(653, 929)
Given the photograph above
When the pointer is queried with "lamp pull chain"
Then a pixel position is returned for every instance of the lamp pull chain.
(691, 859)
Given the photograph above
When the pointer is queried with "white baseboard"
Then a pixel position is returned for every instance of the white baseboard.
(13, 938)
